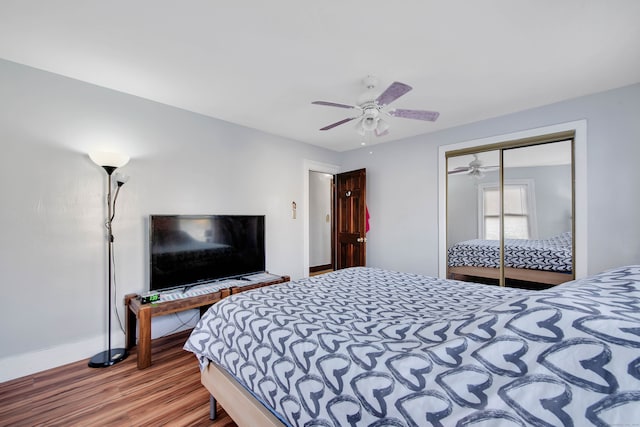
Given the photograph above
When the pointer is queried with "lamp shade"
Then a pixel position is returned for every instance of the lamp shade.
(114, 160)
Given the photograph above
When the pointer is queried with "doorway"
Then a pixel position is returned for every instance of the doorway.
(349, 236)
(311, 166)
(321, 244)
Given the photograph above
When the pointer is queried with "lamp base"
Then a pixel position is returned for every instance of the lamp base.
(108, 358)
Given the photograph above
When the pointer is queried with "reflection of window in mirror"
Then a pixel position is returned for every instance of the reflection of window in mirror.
(519, 210)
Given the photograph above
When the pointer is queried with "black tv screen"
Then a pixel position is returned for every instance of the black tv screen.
(190, 249)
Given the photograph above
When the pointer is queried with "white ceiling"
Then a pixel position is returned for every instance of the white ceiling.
(261, 63)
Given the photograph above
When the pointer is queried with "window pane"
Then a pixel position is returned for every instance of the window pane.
(515, 200)
(491, 201)
(491, 227)
(516, 227)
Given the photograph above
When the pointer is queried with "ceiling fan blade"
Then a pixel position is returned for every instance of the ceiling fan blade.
(393, 92)
(430, 116)
(460, 169)
(333, 104)
(341, 122)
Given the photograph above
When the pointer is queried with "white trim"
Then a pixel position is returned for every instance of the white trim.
(22, 364)
(580, 188)
(310, 166)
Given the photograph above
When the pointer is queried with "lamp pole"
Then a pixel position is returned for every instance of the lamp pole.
(110, 356)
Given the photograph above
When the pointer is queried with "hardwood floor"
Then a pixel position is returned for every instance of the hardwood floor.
(316, 273)
(167, 393)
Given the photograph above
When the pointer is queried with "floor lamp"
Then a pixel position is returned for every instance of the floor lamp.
(110, 162)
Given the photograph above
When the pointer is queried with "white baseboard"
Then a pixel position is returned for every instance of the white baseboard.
(19, 365)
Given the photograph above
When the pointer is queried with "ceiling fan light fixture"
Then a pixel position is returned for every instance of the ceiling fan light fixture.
(369, 124)
(476, 173)
(382, 127)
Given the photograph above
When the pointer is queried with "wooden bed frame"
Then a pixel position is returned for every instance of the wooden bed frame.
(527, 275)
(236, 400)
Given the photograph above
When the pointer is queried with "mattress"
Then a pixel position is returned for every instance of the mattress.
(365, 346)
(553, 254)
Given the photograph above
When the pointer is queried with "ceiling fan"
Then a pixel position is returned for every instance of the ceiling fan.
(475, 168)
(371, 108)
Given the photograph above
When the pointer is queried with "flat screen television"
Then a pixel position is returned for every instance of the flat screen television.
(187, 250)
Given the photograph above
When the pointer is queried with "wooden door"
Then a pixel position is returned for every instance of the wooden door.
(351, 221)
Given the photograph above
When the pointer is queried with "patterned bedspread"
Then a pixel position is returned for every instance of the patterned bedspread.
(371, 347)
(552, 254)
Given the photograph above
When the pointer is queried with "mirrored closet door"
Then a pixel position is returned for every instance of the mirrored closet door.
(510, 213)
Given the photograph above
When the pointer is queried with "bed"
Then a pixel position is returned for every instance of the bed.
(364, 346)
(546, 261)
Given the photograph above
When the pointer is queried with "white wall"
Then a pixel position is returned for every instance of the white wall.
(402, 181)
(319, 210)
(53, 247)
(52, 251)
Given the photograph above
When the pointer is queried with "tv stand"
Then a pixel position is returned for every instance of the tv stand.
(139, 315)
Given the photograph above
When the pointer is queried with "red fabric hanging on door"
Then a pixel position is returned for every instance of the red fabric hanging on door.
(368, 216)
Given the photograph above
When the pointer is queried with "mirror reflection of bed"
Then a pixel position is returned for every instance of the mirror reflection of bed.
(532, 201)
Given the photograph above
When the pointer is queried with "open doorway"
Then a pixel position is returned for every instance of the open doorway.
(321, 243)
(348, 217)
(310, 165)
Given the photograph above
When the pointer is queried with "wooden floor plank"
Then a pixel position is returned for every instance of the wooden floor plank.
(167, 393)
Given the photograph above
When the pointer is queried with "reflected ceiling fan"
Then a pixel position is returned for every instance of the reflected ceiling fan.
(370, 108)
(475, 168)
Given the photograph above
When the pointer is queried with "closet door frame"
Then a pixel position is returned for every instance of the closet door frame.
(576, 130)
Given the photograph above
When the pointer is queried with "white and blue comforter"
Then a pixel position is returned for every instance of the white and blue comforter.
(553, 254)
(372, 347)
